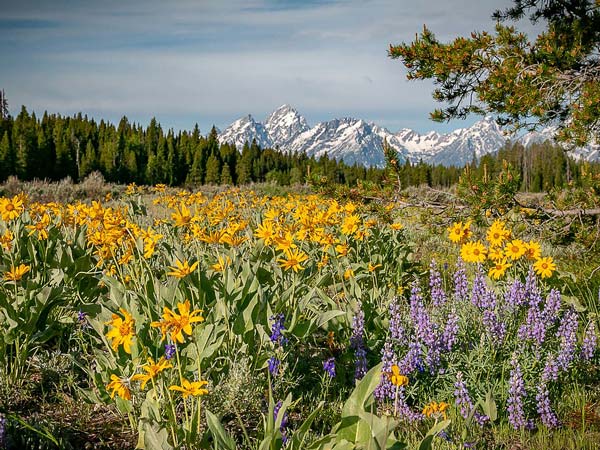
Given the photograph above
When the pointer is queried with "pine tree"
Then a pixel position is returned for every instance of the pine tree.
(213, 170)
(6, 158)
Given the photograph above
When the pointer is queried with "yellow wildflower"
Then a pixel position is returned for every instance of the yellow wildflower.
(152, 369)
(474, 252)
(183, 269)
(122, 332)
(397, 378)
(544, 267)
(515, 249)
(177, 324)
(119, 386)
(293, 260)
(16, 273)
(498, 269)
(187, 388)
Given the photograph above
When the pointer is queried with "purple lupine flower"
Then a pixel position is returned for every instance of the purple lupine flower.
(284, 421)
(82, 320)
(396, 328)
(277, 329)
(534, 328)
(516, 394)
(479, 290)
(461, 287)
(544, 408)
(450, 334)
(273, 364)
(532, 290)
(404, 411)
(169, 351)
(495, 327)
(590, 342)
(515, 296)
(567, 333)
(461, 396)
(385, 388)
(412, 360)
(480, 418)
(552, 307)
(329, 367)
(357, 343)
(426, 331)
(550, 372)
(438, 296)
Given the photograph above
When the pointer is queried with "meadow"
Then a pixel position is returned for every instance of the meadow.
(158, 318)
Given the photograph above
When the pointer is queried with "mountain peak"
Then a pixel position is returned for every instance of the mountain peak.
(358, 141)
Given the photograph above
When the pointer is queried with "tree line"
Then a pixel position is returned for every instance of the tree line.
(54, 147)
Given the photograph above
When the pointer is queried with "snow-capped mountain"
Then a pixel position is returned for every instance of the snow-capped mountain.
(357, 141)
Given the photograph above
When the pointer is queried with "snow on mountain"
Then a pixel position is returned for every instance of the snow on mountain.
(244, 130)
(357, 141)
(284, 125)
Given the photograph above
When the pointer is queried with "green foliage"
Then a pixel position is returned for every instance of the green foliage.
(552, 79)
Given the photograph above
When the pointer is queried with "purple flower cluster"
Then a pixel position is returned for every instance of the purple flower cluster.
(438, 296)
(550, 372)
(357, 343)
(461, 286)
(284, 421)
(3, 433)
(425, 329)
(590, 342)
(479, 292)
(515, 296)
(385, 388)
(450, 334)
(329, 367)
(567, 334)
(273, 364)
(396, 328)
(277, 329)
(543, 406)
(461, 396)
(169, 351)
(516, 395)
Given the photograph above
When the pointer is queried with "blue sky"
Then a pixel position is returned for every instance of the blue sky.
(211, 62)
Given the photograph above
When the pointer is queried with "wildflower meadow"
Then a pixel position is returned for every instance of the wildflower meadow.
(160, 318)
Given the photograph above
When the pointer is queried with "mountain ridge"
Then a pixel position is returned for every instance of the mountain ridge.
(358, 141)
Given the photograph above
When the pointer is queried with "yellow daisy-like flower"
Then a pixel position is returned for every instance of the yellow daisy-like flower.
(397, 378)
(182, 269)
(396, 226)
(16, 273)
(265, 232)
(193, 388)
(6, 240)
(544, 267)
(455, 232)
(293, 260)
(373, 267)
(11, 208)
(122, 332)
(221, 264)
(474, 252)
(119, 386)
(176, 324)
(152, 369)
(515, 249)
(348, 273)
(40, 227)
(436, 410)
(496, 254)
(497, 234)
(182, 216)
(499, 269)
(533, 250)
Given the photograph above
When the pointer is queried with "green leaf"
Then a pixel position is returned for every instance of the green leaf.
(155, 438)
(221, 437)
(356, 402)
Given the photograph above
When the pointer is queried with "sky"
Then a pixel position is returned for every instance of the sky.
(212, 62)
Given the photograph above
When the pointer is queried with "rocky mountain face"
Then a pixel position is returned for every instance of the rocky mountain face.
(361, 142)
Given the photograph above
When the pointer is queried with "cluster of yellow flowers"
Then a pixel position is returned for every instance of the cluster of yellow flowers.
(500, 249)
(175, 325)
